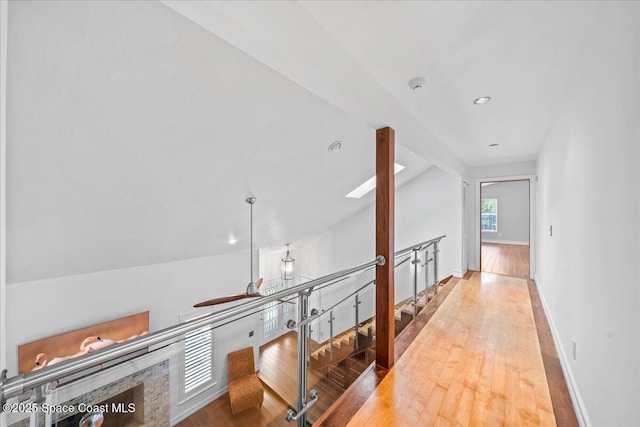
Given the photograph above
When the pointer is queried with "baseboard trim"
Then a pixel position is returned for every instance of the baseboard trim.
(506, 242)
(187, 412)
(445, 280)
(457, 273)
(576, 398)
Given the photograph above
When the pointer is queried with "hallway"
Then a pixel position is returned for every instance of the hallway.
(477, 362)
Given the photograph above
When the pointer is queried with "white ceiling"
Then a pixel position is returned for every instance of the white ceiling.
(359, 55)
(135, 134)
(519, 53)
(134, 137)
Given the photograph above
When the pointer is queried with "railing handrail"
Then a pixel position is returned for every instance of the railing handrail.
(419, 246)
(21, 383)
(327, 310)
(398, 264)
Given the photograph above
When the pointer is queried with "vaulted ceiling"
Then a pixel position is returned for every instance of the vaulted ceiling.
(135, 136)
(137, 129)
(360, 55)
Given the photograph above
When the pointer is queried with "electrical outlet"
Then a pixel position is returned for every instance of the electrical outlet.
(250, 333)
(573, 348)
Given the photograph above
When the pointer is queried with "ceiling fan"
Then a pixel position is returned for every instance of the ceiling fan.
(252, 288)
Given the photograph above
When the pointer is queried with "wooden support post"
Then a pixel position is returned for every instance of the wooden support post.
(385, 205)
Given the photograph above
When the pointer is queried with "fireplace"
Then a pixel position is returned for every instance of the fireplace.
(123, 410)
(140, 399)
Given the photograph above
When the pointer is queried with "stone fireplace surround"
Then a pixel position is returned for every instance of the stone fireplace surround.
(149, 377)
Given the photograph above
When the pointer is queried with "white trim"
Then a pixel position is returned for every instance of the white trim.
(197, 406)
(506, 242)
(576, 398)
(465, 230)
(195, 393)
(532, 217)
(4, 7)
(457, 273)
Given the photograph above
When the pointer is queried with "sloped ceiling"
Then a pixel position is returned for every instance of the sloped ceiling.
(520, 53)
(137, 129)
(360, 55)
(135, 135)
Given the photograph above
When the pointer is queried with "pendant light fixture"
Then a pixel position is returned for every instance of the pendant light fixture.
(288, 272)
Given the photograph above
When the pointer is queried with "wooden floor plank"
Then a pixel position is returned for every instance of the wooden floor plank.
(485, 366)
(507, 260)
(563, 409)
(218, 413)
(476, 362)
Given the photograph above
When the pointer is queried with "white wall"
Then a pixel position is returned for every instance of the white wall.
(513, 212)
(494, 171)
(588, 191)
(427, 206)
(48, 307)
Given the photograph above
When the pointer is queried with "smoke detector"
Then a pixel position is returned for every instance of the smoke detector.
(417, 83)
(335, 146)
(482, 100)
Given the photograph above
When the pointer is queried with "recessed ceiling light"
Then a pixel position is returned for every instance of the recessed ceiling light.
(493, 145)
(482, 100)
(370, 184)
(232, 240)
(335, 146)
(417, 83)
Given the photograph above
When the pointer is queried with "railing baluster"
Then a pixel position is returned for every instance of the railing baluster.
(357, 341)
(331, 319)
(436, 262)
(427, 285)
(303, 351)
(306, 398)
(415, 263)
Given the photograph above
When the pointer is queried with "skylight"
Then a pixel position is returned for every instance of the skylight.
(370, 184)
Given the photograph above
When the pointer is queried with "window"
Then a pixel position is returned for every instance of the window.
(270, 314)
(489, 214)
(197, 372)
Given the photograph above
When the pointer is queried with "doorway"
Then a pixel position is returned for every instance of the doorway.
(505, 225)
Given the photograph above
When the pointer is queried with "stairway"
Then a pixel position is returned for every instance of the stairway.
(341, 364)
(343, 346)
(338, 378)
(327, 394)
(327, 355)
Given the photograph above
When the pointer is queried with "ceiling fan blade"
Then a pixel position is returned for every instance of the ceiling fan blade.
(223, 300)
(289, 301)
(258, 283)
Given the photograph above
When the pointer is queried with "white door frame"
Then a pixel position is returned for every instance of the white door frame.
(3, 187)
(532, 217)
(465, 229)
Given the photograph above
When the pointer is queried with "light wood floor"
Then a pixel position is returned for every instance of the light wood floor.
(476, 363)
(508, 260)
(279, 370)
(218, 413)
(279, 366)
